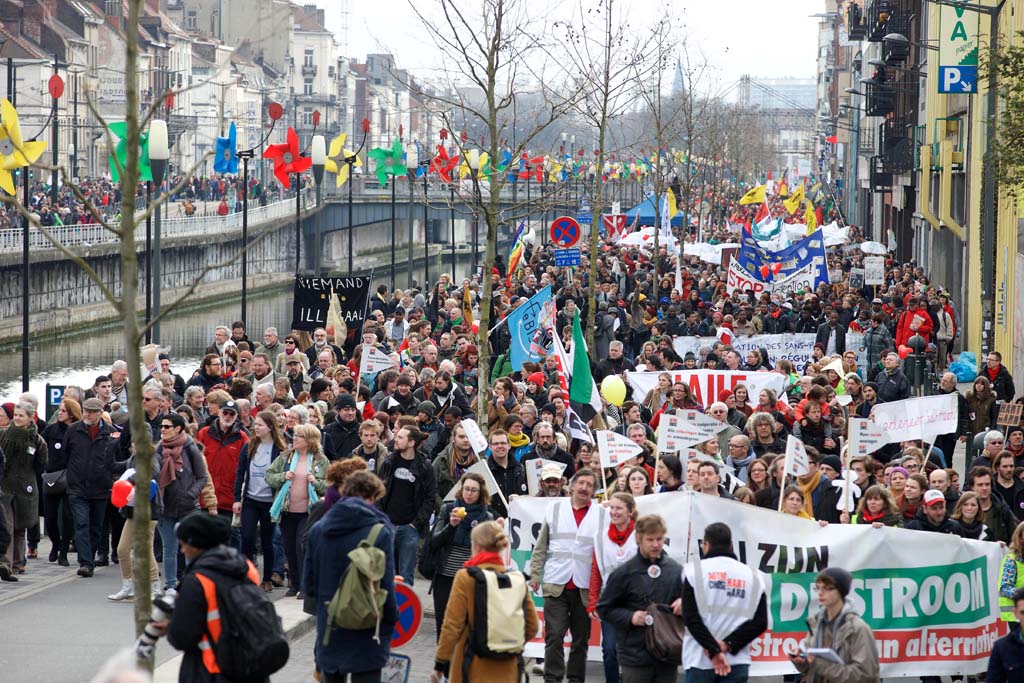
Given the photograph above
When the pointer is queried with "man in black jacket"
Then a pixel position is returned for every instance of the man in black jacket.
(89, 447)
(344, 431)
(1002, 381)
(547, 447)
(931, 516)
(831, 336)
(893, 385)
(409, 501)
(649, 576)
(202, 539)
(5, 536)
(508, 472)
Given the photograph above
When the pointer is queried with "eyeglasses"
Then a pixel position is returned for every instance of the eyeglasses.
(996, 442)
(166, 426)
(289, 341)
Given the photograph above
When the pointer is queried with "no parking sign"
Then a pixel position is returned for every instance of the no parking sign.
(410, 615)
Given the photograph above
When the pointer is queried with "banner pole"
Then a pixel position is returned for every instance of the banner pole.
(782, 489)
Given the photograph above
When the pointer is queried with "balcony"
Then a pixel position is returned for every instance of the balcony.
(866, 143)
(879, 98)
(309, 69)
(855, 23)
(881, 176)
(896, 144)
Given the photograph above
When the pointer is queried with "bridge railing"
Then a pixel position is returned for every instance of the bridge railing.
(83, 235)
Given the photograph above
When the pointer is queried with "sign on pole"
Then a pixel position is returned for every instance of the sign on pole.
(565, 231)
(856, 278)
(685, 428)
(54, 395)
(615, 448)
(373, 361)
(476, 437)
(866, 437)
(958, 49)
(410, 615)
(874, 270)
(565, 258)
(534, 467)
(797, 463)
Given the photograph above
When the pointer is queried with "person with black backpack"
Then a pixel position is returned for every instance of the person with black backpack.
(223, 622)
(489, 619)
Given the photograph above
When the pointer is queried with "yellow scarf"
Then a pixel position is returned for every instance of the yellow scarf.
(808, 489)
(518, 440)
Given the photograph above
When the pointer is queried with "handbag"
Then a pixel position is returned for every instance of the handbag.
(664, 634)
(55, 483)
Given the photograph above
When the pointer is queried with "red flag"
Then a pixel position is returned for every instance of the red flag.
(832, 139)
(762, 212)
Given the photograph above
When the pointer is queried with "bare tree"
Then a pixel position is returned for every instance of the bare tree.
(499, 49)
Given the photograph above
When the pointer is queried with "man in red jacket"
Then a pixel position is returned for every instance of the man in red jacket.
(915, 320)
(222, 441)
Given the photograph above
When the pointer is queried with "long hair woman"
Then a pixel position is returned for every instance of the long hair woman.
(878, 508)
(253, 495)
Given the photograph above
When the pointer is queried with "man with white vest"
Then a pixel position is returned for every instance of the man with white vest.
(725, 608)
(560, 569)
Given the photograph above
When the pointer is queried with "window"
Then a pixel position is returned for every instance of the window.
(308, 58)
(307, 116)
(307, 87)
(192, 21)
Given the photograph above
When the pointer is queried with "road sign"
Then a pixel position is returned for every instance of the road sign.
(54, 395)
(565, 231)
(567, 257)
(958, 79)
(410, 615)
(397, 669)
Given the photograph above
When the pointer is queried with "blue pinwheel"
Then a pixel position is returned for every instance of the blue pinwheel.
(226, 160)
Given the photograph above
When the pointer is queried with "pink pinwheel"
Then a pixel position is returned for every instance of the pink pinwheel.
(287, 158)
(442, 165)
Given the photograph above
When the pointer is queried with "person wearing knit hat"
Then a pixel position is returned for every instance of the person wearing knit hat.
(8, 409)
(838, 628)
(204, 531)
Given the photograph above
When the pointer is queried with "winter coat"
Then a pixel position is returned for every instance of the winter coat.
(630, 588)
(18, 483)
(227, 567)
(823, 333)
(184, 494)
(1002, 385)
(459, 619)
(426, 488)
(53, 435)
(511, 481)
(344, 438)
(1007, 660)
(339, 531)
(921, 523)
(892, 387)
(242, 473)
(852, 640)
(981, 410)
(221, 452)
(90, 463)
(442, 473)
(279, 468)
(877, 340)
(205, 382)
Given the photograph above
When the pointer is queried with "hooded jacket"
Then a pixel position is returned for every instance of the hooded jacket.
(227, 567)
(222, 450)
(852, 640)
(344, 438)
(90, 462)
(426, 487)
(339, 531)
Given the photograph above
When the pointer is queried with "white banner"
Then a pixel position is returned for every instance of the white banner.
(796, 348)
(918, 418)
(534, 467)
(741, 279)
(615, 448)
(797, 462)
(685, 428)
(477, 440)
(930, 599)
(874, 270)
(705, 384)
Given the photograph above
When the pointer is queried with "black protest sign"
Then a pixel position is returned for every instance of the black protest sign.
(313, 300)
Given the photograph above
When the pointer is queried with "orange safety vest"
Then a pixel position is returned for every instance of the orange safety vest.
(213, 628)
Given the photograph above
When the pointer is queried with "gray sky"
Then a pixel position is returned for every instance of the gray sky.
(763, 39)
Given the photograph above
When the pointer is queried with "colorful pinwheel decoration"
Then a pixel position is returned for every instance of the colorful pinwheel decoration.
(555, 174)
(287, 158)
(337, 157)
(226, 160)
(14, 151)
(390, 162)
(442, 165)
(482, 173)
(532, 168)
(120, 131)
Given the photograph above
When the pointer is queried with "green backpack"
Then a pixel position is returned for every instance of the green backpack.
(359, 600)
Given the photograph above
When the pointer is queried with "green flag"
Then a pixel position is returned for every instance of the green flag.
(582, 389)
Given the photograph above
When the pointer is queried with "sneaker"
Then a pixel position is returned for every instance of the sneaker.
(171, 592)
(277, 580)
(6, 575)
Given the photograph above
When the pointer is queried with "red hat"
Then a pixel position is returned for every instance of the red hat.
(537, 378)
(9, 409)
(724, 395)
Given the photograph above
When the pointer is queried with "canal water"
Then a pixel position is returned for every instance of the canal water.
(77, 359)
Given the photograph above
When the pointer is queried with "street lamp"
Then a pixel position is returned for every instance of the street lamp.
(318, 151)
(159, 153)
(473, 161)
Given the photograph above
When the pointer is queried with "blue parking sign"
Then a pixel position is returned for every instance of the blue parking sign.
(961, 80)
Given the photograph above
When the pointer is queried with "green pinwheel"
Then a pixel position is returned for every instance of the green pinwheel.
(120, 131)
(389, 161)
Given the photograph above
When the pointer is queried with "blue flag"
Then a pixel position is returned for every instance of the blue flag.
(530, 328)
(808, 251)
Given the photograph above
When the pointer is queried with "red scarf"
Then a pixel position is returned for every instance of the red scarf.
(992, 372)
(484, 557)
(870, 518)
(620, 537)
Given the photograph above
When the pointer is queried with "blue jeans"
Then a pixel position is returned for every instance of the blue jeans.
(88, 516)
(278, 551)
(739, 674)
(165, 526)
(609, 654)
(407, 545)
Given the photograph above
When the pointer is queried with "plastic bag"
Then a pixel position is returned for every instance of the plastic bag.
(965, 367)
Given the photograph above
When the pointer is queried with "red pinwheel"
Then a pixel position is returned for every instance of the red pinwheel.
(287, 158)
(532, 167)
(442, 165)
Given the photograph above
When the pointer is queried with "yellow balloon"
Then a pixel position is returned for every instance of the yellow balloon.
(613, 389)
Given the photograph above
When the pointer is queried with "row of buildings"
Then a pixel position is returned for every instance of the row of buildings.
(904, 116)
(225, 60)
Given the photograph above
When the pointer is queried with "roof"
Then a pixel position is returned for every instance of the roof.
(14, 45)
(304, 22)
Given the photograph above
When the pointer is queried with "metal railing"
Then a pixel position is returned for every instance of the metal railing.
(84, 235)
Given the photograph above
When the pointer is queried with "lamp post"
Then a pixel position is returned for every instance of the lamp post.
(425, 163)
(159, 153)
(351, 161)
(318, 151)
(473, 161)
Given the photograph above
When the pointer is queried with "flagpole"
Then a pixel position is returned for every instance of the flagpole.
(604, 480)
(782, 488)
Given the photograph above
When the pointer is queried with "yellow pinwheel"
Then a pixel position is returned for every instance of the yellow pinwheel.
(14, 152)
(554, 170)
(482, 171)
(336, 156)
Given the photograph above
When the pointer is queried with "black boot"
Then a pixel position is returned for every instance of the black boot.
(53, 555)
(62, 559)
(102, 560)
